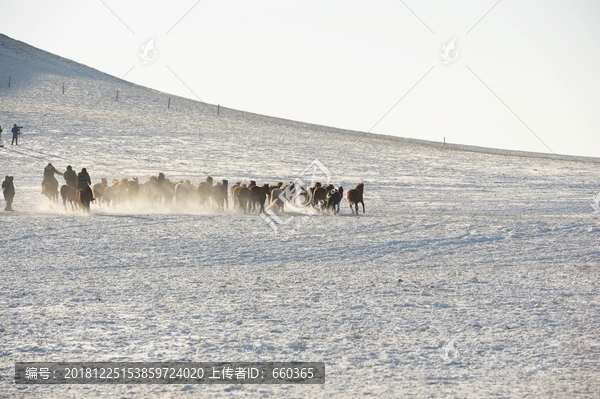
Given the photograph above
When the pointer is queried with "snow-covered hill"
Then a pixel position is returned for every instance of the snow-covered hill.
(494, 251)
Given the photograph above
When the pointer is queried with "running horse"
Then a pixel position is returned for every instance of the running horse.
(69, 193)
(84, 197)
(355, 197)
(50, 190)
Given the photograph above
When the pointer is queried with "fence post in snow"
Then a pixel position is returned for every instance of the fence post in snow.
(218, 108)
(117, 99)
(444, 140)
(169, 104)
(8, 80)
(63, 88)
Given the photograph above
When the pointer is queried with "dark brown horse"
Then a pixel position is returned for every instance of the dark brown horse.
(334, 197)
(84, 197)
(319, 197)
(242, 194)
(355, 196)
(151, 190)
(258, 195)
(219, 195)
(69, 193)
(276, 202)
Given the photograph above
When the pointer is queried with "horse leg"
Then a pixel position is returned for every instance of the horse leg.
(363, 205)
(84, 205)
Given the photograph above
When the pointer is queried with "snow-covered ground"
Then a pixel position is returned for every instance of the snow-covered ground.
(495, 253)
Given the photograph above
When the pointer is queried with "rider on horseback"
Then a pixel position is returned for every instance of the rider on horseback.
(49, 172)
(70, 177)
(84, 182)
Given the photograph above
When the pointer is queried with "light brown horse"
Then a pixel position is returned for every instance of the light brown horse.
(50, 190)
(355, 196)
(84, 197)
(205, 191)
(133, 189)
(233, 191)
(183, 192)
(98, 190)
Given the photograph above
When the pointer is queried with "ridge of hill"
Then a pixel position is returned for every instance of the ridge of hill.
(25, 64)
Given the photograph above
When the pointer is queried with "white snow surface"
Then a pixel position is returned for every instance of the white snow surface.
(496, 251)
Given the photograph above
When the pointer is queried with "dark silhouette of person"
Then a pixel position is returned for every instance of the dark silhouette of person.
(15, 132)
(49, 172)
(84, 182)
(8, 189)
(70, 177)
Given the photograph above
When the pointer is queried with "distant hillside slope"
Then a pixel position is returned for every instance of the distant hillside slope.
(35, 96)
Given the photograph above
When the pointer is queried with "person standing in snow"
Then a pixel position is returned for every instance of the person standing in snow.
(84, 182)
(8, 189)
(15, 132)
(70, 177)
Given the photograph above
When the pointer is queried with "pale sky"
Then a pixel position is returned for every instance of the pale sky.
(524, 75)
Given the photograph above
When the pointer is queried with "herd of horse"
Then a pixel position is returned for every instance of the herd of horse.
(251, 197)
